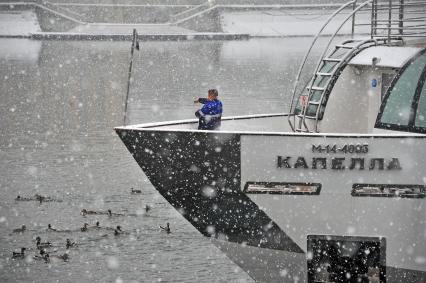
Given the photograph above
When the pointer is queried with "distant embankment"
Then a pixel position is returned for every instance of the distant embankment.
(157, 18)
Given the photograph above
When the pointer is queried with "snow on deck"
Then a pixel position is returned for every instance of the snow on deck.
(393, 57)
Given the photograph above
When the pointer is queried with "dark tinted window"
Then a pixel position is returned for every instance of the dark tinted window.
(421, 109)
(405, 102)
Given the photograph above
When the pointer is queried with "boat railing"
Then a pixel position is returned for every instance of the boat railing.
(398, 19)
(391, 22)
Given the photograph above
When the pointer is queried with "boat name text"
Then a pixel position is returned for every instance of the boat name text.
(339, 163)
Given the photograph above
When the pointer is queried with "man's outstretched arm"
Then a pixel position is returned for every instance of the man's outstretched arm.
(201, 100)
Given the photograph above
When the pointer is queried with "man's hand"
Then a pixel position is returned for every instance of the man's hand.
(196, 100)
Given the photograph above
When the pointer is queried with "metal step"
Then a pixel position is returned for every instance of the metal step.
(345, 46)
(306, 117)
(332, 59)
(315, 88)
(324, 74)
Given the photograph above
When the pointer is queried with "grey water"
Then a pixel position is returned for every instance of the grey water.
(60, 102)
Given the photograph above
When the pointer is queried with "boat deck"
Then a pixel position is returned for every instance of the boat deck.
(259, 123)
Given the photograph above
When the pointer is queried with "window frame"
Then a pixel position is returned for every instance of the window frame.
(410, 127)
(273, 184)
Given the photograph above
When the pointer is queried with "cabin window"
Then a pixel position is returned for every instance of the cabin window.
(386, 83)
(421, 109)
(284, 188)
(388, 190)
(404, 106)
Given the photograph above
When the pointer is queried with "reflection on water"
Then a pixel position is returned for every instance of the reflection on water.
(57, 139)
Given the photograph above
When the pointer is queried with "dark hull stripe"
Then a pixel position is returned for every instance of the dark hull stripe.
(199, 174)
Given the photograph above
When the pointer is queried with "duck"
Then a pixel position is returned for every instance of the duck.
(84, 228)
(167, 228)
(64, 257)
(70, 244)
(49, 227)
(118, 231)
(41, 256)
(40, 198)
(19, 198)
(46, 257)
(20, 230)
(97, 225)
(133, 191)
(90, 212)
(147, 208)
(85, 212)
(113, 214)
(41, 245)
(19, 254)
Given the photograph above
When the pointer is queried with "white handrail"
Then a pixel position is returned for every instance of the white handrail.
(309, 50)
(326, 49)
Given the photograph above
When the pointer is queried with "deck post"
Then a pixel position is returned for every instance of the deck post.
(401, 18)
(353, 19)
(390, 22)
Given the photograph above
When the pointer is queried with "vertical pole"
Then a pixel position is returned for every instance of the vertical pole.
(401, 18)
(130, 74)
(373, 18)
(353, 19)
(389, 21)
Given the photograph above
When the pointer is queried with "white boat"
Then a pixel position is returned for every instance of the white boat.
(332, 191)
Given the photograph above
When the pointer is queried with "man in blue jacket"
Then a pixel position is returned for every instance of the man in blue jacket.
(210, 114)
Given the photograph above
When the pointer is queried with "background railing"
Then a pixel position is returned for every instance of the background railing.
(398, 19)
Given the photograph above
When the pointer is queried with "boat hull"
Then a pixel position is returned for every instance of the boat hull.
(205, 176)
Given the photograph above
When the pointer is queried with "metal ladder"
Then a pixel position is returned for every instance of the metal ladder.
(312, 104)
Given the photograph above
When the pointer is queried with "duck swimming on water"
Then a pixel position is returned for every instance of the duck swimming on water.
(19, 254)
(133, 191)
(49, 227)
(46, 257)
(84, 228)
(40, 198)
(41, 245)
(70, 244)
(64, 257)
(19, 198)
(110, 213)
(42, 255)
(118, 231)
(20, 230)
(167, 228)
(86, 212)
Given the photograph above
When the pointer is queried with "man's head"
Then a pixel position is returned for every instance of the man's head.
(212, 94)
